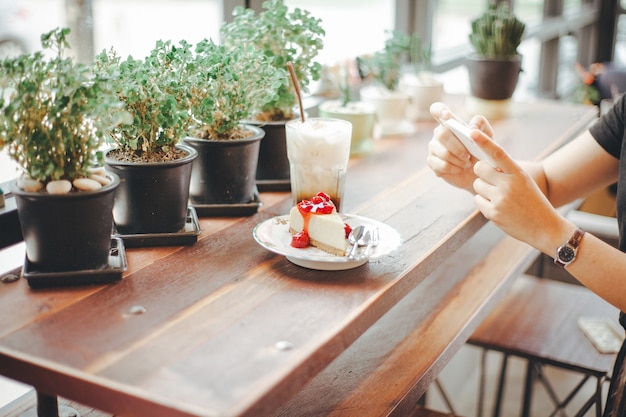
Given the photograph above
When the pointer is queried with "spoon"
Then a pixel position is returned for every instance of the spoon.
(359, 236)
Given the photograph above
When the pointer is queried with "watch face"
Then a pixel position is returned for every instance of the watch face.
(566, 254)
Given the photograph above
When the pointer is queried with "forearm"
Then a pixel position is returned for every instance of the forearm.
(599, 267)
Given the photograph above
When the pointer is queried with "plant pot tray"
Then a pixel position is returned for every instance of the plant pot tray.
(241, 209)
(274, 185)
(110, 273)
(187, 236)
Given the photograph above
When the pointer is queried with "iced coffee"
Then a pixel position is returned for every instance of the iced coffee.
(318, 150)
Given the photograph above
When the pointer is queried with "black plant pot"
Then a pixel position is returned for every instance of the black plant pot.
(273, 172)
(67, 232)
(152, 197)
(224, 171)
(493, 79)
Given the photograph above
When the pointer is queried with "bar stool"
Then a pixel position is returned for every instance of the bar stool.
(538, 321)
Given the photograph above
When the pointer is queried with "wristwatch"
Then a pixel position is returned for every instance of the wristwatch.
(566, 253)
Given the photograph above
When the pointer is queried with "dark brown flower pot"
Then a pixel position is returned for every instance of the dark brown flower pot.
(493, 79)
(152, 197)
(273, 172)
(225, 171)
(67, 232)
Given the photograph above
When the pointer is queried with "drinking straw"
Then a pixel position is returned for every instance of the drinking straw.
(297, 87)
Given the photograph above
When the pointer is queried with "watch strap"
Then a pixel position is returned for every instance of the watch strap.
(574, 241)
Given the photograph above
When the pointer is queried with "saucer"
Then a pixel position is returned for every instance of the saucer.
(273, 234)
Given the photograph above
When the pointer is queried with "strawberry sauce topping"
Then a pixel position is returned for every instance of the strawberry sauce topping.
(318, 204)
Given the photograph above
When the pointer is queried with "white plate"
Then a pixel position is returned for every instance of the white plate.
(273, 234)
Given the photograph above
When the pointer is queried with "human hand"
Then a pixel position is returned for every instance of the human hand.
(510, 197)
(447, 156)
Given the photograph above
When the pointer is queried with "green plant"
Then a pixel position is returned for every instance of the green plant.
(420, 54)
(54, 113)
(344, 86)
(283, 36)
(228, 86)
(497, 33)
(154, 91)
(385, 66)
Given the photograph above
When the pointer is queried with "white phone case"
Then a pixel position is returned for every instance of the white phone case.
(461, 131)
(602, 333)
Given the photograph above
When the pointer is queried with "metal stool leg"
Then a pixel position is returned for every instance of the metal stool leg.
(444, 395)
(528, 388)
(48, 406)
(501, 383)
(599, 383)
(481, 383)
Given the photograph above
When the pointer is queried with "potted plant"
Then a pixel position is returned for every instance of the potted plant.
(54, 114)
(420, 83)
(384, 68)
(228, 85)
(154, 167)
(495, 65)
(284, 36)
(361, 114)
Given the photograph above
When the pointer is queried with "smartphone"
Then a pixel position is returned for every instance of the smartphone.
(462, 132)
(602, 333)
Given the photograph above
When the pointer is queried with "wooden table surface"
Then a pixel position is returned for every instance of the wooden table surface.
(231, 329)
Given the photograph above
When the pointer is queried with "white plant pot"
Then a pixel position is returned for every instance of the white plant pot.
(423, 90)
(391, 109)
(362, 115)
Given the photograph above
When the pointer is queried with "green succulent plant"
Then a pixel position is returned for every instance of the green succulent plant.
(497, 33)
(154, 92)
(54, 112)
(283, 36)
(228, 86)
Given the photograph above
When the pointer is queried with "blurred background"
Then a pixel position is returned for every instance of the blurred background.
(559, 33)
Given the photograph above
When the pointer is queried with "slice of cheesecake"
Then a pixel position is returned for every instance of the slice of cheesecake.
(315, 222)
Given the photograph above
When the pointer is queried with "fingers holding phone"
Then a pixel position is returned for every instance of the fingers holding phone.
(463, 133)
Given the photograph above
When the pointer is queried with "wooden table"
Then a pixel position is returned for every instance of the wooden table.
(231, 329)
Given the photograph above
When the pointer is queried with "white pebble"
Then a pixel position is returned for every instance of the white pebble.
(29, 184)
(98, 171)
(102, 179)
(59, 187)
(86, 184)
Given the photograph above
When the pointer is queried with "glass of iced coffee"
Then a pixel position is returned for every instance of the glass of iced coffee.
(318, 150)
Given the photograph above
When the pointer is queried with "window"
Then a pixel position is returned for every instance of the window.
(454, 20)
(133, 26)
(353, 27)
